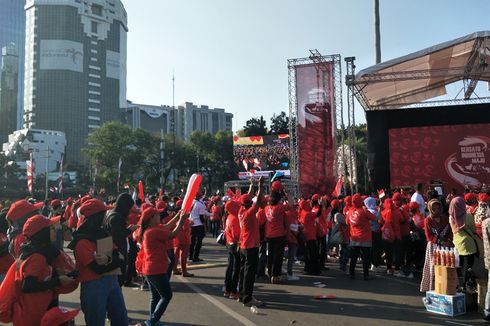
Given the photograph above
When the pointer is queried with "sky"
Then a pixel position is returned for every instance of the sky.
(233, 54)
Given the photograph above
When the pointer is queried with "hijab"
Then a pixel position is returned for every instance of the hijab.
(39, 243)
(430, 205)
(457, 211)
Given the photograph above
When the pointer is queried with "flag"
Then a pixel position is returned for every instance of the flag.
(339, 187)
(245, 164)
(277, 175)
(381, 193)
(119, 172)
(96, 170)
(31, 170)
(60, 177)
(141, 192)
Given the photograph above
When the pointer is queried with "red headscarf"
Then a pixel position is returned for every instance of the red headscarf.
(457, 212)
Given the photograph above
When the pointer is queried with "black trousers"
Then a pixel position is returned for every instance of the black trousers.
(232, 270)
(377, 249)
(197, 234)
(312, 262)
(131, 269)
(365, 253)
(466, 262)
(322, 247)
(262, 259)
(388, 247)
(249, 259)
(276, 255)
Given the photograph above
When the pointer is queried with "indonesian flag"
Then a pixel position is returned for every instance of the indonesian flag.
(245, 165)
(257, 164)
(339, 187)
(31, 170)
(381, 193)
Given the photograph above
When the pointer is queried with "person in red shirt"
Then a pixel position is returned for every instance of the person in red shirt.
(405, 247)
(249, 245)
(418, 235)
(292, 241)
(275, 232)
(322, 226)
(182, 242)
(308, 219)
(17, 215)
(100, 293)
(390, 220)
(36, 276)
(232, 235)
(471, 202)
(5, 258)
(359, 223)
(263, 241)
(155, 239)
(216, 215)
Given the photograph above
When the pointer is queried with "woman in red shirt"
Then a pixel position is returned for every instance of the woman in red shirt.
(307, 218)
(155, 239)
(215, 218)
(36, 275)
(275, 232)
(182, 243)
(232, 235)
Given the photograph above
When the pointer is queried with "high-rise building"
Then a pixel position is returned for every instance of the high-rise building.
(12, 33)
(9, 65)
(75, 67)
(190, 117)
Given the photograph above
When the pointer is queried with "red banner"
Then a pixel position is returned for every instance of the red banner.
(316, 128)
(457, 155)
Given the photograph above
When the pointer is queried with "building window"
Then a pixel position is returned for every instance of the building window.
(97, 10)
(94, 27)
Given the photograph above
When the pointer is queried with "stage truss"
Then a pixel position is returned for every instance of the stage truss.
(319, 61)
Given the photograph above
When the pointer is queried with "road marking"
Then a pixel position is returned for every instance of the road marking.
(455, 323)
(218, 304)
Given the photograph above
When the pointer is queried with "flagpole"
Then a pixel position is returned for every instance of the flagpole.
(47, 177)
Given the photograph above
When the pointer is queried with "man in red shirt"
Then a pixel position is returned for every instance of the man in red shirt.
(232, 235)
(249, 245)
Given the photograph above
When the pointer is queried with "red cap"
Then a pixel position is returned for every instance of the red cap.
(58, 315)
(413, 205)
(179, 203)
(245, 199)
(21, 208)
(92, 206)
(315, 197)
(277, 186)
(148, 213)
(85, 198)
(161, 206)
(38, 222)
(55, 203)
(469, 197)
(335, 203)
(483, 197)
(232, 207)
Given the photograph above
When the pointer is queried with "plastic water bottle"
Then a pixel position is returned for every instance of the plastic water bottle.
(254, 310)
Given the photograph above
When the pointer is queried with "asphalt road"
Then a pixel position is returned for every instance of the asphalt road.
(385, 300)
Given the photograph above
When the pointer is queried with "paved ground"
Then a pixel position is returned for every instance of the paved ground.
(198, 301)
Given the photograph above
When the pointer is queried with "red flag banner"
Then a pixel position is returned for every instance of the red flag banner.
(30, 173)
(315, 128)
(141, 191)
(338, 187)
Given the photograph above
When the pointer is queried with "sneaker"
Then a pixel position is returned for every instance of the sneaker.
(410, 276)
(253, 302)
(373, 268)
(275, 279)
(379, 269)
(187, 274)
(389, 271)
(177, 272)
(234, 296)
(399, 274)
(292, 277)
(226, 294)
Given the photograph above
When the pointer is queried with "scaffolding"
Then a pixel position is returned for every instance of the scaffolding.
(320, 62)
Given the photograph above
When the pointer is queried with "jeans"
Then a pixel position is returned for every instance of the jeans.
(215, 228)
(232, 270)
(103, 297)
(276, 255)
(292, 248)
(161, 294)
(486, 311)
(197, 234)
(249, 259)
(344, 256)
(365, 253)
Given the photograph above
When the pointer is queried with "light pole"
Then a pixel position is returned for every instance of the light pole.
(47, 177)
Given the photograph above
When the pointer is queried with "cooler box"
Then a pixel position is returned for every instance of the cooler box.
(448, 305)
(446, 280)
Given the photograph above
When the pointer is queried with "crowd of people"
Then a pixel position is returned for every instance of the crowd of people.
(128, 242)
(274, 156)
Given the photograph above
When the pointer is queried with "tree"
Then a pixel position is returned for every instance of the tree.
(279, 124)
(255, 127)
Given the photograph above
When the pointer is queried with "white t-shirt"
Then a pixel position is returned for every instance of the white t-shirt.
(419, 199)
(198, 209)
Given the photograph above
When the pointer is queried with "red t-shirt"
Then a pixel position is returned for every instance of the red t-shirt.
(232, 229)
(309, 225)
(7, 259)
(84, 252)
(249, 228)
(359, 225)
(292, 218)
(184, 237)
(405, 223)
(30, 308)
(394, 217)
(276, 220)
(215, 213)
(155, 244)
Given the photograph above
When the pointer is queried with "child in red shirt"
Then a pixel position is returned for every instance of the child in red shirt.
(182, 242)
